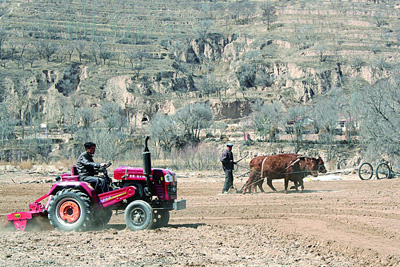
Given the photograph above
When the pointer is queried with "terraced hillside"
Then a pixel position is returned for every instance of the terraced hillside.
(314, 36)
(155, 56)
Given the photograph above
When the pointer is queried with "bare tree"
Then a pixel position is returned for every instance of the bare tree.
(95, 51)
(202, 28)
(20, 54)
(3, 39)
(381, 64)
(130, 56)
(375, 48)
(380, 19)
(61, 111)
(46, 49)
(210, 10)
(209, 85)
(7, 124)
(242, 11)
(85, 116)
(221, 126)
(321, 51)
(348, 104)
(193, 118)
(164, 130)
(31, 58)
(13, 49)
(267, 119)
(326, 115)
(137, 69)
(379, 111)
(196, 157)
(105, 54)
(357, 63)
(111, 145)
(294, 117)
(112, 116)
(69, 49)
(269, 13)
(141, 55)
(81, 47)
(23, 47)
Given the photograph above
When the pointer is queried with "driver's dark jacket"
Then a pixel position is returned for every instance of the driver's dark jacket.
(86, 166)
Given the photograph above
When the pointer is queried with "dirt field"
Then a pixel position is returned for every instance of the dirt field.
(345, 222)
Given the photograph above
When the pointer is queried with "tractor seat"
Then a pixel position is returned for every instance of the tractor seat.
(74, 170)
(72, 176)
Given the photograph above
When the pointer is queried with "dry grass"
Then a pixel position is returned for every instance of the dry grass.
(24, 165)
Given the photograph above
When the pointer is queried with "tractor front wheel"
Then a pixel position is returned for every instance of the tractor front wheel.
(139, 215)
(70, 210)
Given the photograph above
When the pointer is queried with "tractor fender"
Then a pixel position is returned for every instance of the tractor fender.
(82, 186)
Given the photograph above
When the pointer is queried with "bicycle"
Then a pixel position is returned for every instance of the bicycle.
(383, 171)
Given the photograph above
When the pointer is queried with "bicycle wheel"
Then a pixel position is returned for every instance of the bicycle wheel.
(383, 171)
(365, 171)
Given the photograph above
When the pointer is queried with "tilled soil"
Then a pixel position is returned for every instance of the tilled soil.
(345, 222)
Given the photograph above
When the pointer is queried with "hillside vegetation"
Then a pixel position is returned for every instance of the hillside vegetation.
(114, 70)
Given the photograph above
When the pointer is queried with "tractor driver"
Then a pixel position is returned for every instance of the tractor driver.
(87, 168)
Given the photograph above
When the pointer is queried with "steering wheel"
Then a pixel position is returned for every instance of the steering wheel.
(104, 168)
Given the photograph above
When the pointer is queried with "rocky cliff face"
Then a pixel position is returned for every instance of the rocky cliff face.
(71, 78)
(232, 109)
(151, 94)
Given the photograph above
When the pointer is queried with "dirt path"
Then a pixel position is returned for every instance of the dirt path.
(333, 223)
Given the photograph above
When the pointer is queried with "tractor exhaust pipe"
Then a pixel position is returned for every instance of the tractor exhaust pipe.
(147, 162)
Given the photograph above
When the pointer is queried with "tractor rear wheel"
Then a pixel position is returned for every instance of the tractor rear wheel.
(70, 210)
(139, 215)
(161, 218)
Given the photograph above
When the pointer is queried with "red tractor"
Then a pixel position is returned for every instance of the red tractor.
(145, 195)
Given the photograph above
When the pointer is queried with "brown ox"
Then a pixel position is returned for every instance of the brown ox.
(291, 167)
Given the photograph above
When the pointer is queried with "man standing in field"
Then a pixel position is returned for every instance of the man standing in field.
(227, 165)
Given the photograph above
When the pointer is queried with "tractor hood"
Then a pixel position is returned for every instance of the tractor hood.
(135, 173)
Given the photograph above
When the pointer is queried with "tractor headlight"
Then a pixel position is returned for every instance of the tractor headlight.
(169, 178)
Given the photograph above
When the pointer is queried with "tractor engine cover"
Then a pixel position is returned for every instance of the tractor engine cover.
(164, 180)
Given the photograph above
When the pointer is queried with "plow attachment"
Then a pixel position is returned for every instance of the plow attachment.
(20, 219)
(36, 210)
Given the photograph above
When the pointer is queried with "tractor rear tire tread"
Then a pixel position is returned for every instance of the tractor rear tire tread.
(85, 205)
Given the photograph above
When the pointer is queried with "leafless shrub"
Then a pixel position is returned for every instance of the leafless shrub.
(202, 157)
(379, 117)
